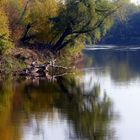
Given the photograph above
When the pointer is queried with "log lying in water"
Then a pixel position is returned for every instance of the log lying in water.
(36, 70)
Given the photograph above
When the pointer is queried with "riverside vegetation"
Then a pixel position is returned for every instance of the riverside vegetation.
(125, 32)
(36, 33)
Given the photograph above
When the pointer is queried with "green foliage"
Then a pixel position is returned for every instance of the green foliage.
(38, 14)
(55, 24)
(5, 43)
(73, 50)
(78, 18)
(59, 24)
(126, 10)
(9, 64)
(126, 30)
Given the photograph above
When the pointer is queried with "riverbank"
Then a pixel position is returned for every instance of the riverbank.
(20, 58)
(30, 62)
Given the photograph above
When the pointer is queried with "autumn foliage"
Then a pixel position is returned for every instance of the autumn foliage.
(54, 24)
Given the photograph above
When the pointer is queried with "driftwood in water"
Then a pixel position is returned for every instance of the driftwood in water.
(35, 70)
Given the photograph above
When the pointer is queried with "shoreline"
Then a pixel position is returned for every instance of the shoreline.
(32, 63)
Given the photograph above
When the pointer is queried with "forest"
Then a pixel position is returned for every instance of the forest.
(126, 31)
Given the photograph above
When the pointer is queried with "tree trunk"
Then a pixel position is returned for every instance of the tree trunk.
(58, 44)
(25, 37)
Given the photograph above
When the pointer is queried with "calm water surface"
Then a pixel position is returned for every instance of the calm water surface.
(101, 101)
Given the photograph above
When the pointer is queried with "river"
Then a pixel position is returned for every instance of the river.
(99, 101)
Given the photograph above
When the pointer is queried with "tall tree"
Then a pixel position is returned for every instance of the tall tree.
(76, 18)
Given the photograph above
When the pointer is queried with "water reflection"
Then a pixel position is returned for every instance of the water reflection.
(60, 110)
(121, 65)
(118, 72)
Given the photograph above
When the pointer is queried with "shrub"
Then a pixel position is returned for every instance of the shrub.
(5, 43)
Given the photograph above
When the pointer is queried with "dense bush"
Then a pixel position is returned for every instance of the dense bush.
(38, 16)
(5, 43)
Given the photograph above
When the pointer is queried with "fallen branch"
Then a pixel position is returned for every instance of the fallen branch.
(57, 66)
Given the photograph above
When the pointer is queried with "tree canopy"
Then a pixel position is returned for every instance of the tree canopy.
(56, 24)
(126, 31)
(71, 20)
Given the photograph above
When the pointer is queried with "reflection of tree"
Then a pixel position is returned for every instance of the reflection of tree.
(7, 130)
(123, 66)
(88, 114)
(86, 111)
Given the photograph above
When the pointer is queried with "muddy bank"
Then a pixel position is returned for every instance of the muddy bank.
(33, 63)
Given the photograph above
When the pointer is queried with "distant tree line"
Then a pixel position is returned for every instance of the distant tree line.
(126, 31)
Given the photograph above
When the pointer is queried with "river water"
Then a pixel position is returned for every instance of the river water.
(99, 101)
